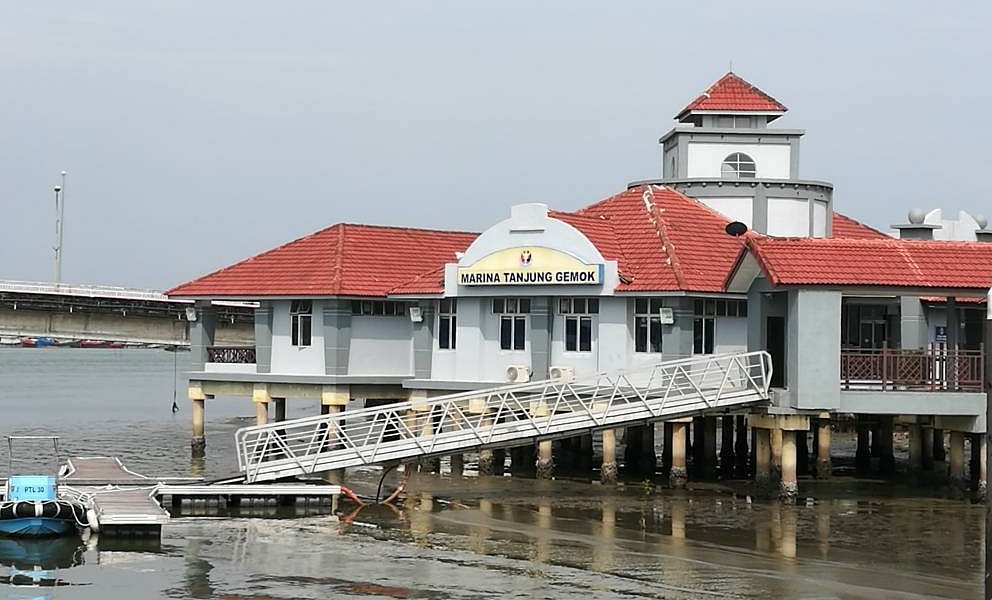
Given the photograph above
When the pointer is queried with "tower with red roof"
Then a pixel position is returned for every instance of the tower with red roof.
(723, 153)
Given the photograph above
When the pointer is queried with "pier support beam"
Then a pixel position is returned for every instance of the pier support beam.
(956, 468)
(727, 457)
(762, 459)
(939, 452)
(823, 465)
(677, 476)
(545, 460)
(666, 448)
(457, 465)
(775, 439)
(981, 486)
(789, 485)
(741, 450)
(886, 457)
(647, 460)
(608, 470)
(333, 400)
(280, 409)
(198, 442)
(709, 465)
(862, 457)
(915, 446)
(926, 460)
(260, 396)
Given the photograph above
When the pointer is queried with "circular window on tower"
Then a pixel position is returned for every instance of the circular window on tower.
(738, 166)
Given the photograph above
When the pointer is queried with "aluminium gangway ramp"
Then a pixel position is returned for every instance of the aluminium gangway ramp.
(509, 415)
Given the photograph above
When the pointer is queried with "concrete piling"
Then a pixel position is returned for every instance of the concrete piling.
(608, 471)
(727, 457)
(741, 448)
(545, 460)
(823, 465)
(678, 476)
(789, 484)
(956, 467)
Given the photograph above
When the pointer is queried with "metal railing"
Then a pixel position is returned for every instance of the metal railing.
(505, 416)
(932, 369)
(231, 354)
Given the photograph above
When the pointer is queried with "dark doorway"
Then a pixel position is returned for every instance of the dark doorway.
(775, 344)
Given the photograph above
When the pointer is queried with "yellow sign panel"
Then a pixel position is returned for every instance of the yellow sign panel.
(533, 265)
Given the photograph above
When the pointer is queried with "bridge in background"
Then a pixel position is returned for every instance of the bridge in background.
(113, 314)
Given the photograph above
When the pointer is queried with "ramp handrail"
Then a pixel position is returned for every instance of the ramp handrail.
(503, 416)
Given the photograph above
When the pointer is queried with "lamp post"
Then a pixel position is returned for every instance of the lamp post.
(59, 226)
(988, 441)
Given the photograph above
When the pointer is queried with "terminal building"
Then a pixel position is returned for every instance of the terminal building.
(856, 322)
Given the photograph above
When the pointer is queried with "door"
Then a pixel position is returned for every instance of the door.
(775, 344)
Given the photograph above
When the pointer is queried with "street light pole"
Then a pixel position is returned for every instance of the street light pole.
(59, 226)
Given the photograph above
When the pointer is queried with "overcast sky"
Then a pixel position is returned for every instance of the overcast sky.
(198, 133)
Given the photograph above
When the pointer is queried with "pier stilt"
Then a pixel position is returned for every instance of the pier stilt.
(789, 485)
(886, 456)
(802, 450)
(280, 409)
(677, 476)
(647, 459)
(608, 470)
(862, 458)
(727, 458)
(926, 459)
(709, 465)
(775, 440)
(199, 442)
(545, 460)
(261, 413)
(666, 448)
(762, 458)
(741, 450)
(956, 468)
(334, 476)
(939, 452)
(457, 465)
(915, 446)
(823, 466)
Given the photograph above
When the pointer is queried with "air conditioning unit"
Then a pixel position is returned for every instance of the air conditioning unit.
(565, 373)
(518, 373)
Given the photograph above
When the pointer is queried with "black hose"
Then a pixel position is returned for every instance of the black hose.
(378, 490)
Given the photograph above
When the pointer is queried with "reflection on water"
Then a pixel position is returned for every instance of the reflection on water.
(457, 538)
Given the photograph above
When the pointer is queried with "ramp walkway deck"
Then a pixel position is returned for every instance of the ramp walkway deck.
(123, 500)
(510, 415)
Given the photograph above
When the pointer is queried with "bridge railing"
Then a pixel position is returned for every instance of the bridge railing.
(502, 416)
(231, 354)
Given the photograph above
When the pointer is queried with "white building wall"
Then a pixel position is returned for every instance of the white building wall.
(772, 161)
(381, 345)
(730, 335)
(615, 337)
(788, 217)
(735, 209)
(819, 219)
(289, 359)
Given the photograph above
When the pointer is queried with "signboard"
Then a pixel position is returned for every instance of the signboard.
(940, 336)
(530, 265)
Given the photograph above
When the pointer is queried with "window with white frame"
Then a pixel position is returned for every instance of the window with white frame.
(512, 322)
(704, 321)
(447, 323)
(738, 166)
(300, 319)
(378, 308)
(576, 313)
(647, 325)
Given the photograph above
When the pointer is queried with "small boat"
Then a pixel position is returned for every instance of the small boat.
(92, 344)
(10, 341)
(28, 342)
(33, 506)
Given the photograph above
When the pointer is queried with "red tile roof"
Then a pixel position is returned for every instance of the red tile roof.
(670, 242)
(731, 93)
(874, 262)
(345, 259)
(846, 227)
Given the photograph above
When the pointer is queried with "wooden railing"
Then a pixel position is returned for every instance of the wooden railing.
(931, 369)
(231, 354)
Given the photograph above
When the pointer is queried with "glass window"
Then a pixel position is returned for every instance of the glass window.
(738, 166)
(300, 319)
(377, 308)
(647, 325)
(512, 327)
(447, 324)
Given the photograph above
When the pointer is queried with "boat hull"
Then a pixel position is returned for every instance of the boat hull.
(36, 527)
